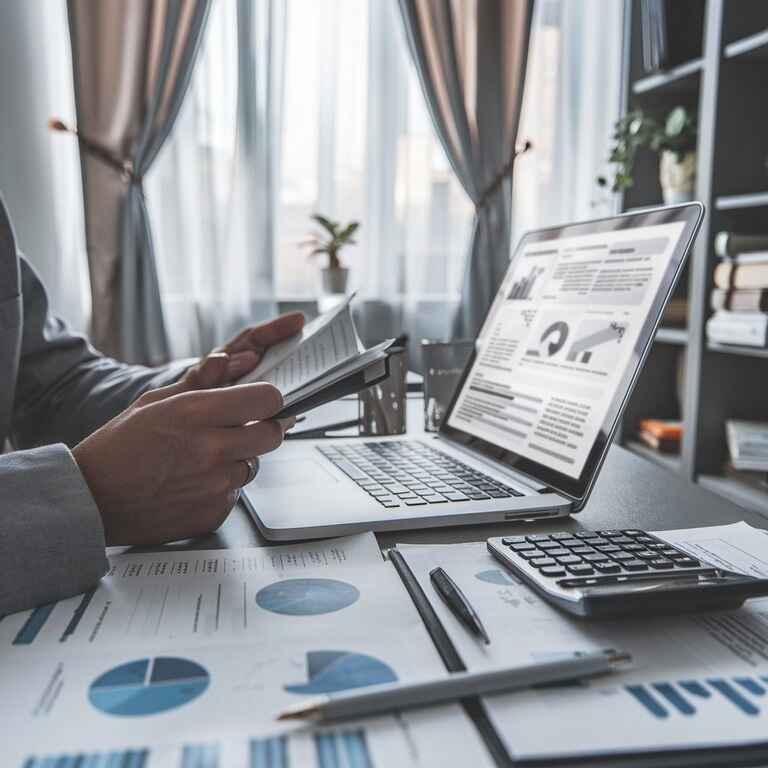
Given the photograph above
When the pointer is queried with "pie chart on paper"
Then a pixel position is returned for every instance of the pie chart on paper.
(148, 686)
(307, 597)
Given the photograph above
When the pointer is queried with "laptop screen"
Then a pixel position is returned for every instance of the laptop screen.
(566, 333)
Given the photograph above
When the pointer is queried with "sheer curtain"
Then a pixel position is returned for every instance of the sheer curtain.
(572, 98)
(299, 106)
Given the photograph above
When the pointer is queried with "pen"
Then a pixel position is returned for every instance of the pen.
(457, 601)
(391, 697)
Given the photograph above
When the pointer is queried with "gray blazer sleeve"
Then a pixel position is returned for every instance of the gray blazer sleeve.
(51, 539)
(51, 535)
(65, 389)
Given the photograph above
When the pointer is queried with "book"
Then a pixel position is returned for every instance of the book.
(747, 444)
(754, 479)
(744, 328)
(731, 275)
(746, 300)
(661, 435)
(729, 245)
(324, 362)
(675, 313)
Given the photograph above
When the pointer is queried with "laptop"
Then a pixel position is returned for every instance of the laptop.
(536, 406)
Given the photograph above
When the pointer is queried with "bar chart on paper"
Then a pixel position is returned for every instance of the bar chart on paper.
(688, 697)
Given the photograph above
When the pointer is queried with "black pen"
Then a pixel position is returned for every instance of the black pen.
(457, 601)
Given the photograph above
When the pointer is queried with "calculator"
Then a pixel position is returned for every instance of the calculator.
(602, 574)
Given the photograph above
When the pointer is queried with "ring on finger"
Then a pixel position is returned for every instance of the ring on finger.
(253, 470)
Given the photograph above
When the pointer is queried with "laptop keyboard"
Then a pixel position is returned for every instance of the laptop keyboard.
(411, 474)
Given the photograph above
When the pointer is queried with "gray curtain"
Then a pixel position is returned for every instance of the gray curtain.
(132, 62)
(471, 57)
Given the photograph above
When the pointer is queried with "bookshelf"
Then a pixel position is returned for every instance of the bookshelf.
(686, 377)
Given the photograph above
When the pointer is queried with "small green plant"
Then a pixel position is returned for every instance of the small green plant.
(677, 133)
(330, 241)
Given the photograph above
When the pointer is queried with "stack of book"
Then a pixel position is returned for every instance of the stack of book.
(671, 32)
(661, 435)
(740, 297)
(748, 449)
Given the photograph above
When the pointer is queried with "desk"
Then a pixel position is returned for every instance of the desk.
(630, 493)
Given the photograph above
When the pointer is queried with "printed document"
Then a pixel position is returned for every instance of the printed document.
(697, 680)
(184, 658)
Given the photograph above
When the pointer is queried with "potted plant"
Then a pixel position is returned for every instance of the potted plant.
(330, 241)
(674, 139)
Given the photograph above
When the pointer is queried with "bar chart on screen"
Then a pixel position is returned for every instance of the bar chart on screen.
(688, 697)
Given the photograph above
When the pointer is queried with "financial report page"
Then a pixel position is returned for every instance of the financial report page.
(558, 340)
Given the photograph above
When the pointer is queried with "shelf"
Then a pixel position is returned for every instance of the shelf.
(729, 202)
(734, 349)
(678, 78)
(677, 336)
(753, 46)
(739, 493)
(670, 461)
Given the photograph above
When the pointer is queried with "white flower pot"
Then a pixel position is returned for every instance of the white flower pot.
(677, 177)
(335, 279)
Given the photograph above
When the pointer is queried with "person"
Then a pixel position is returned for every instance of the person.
(104, 453)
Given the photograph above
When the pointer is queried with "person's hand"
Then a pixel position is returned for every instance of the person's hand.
(243, 353)
(171, 465)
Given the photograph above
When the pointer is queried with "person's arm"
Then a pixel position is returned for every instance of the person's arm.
(51, 535)
(65, 390)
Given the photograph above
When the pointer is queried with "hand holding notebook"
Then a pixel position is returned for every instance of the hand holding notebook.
(324, 362)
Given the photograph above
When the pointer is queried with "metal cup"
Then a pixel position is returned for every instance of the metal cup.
(443, 362)
(383, 406)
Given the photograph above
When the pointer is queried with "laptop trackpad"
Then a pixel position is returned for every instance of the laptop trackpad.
(277, 473)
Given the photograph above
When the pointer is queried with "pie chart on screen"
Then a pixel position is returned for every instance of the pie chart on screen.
(148, 686)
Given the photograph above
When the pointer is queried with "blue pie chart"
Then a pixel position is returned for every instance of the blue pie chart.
(497, 577)
(148, 686)
(307, 597)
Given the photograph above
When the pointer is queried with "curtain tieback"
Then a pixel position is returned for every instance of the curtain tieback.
(123, 167)
(503, 174)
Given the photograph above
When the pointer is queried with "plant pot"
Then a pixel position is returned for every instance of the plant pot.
(335, 279)
(677, 177)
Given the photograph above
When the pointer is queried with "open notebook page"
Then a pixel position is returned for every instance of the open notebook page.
(323, 344)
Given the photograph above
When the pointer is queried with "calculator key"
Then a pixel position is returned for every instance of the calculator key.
(522, 547)
(477, 495)
(607, 567)
(499, 494)
(553, 570)
(549, 545)
(634, 565)
(632, 532)
(570, 543)
(434, 498)
(634, 547)
(622, 540)
(560, 536)
(530, 554)
(542, 562)
(687, 562)
(609, 548)
(562, 552)
(646, 554)
(586, 535)
(660, 563)
(583, 551)
(389, 504)
(599, 541)
(507, 540)
(610, 534)
(644, 540)
(581, 569)
(537, 537)
(569, 560)
(417, 502)
(598, 557)
(668, 551)
(622, 556)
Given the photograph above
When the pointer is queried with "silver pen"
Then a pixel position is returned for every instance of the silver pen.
(392, 697)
